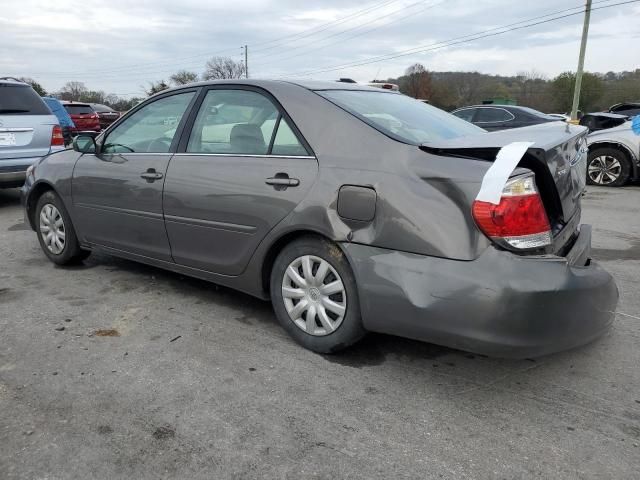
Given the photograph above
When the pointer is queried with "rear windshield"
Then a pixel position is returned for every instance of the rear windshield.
(401, 117)
(21, 100)
(537, 113)
(79, 109)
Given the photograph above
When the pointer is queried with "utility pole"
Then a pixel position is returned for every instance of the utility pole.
(246, 61)
(583, 47)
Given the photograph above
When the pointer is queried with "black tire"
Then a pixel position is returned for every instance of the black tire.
(594, 160)
(350, 330)
(71, 252)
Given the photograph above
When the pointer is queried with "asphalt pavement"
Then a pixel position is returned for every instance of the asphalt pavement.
(115, 370)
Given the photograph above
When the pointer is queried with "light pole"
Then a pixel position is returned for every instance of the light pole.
(246, 62)
(583, 47)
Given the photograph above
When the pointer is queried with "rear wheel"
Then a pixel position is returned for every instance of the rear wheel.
(608, 167)
(56, 234)
(314, 295)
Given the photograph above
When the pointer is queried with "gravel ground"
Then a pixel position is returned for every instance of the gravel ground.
(117, 370)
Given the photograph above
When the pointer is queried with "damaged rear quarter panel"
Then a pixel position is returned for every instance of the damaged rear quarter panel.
(423, 201)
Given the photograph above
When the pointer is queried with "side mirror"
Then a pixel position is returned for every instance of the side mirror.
(84, 144)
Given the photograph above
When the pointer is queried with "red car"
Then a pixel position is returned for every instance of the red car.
(84, 117)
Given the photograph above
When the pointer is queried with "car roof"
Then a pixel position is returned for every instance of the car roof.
(71, 102)
(13, 81)
(496, 105)
(308, 84)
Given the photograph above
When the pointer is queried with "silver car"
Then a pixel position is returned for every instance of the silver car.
(352, 208)
(28, 131)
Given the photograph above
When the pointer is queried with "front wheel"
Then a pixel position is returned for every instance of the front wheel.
(608, 167)
(56, 234)
(314, 295)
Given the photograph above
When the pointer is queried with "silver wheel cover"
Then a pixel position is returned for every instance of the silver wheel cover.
(604, 169)
(314, 295)
(52, 229)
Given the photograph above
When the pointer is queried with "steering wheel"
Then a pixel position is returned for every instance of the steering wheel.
(159, 144)
(109, 145)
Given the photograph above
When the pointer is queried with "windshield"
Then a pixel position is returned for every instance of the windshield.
(401, 117)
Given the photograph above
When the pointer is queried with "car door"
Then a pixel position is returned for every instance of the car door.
(493, 118)
(240, 170)
(117, 192)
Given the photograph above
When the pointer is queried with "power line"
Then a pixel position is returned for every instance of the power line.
(373, 20)
(459, 40)
(304, 33)
(419, 49)
(112, 74)
(413, 14)
(329, 25)
(115, 73)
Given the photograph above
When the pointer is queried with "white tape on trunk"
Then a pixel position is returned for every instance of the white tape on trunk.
(496, 177)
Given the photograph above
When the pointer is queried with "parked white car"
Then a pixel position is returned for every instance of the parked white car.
(614, 155)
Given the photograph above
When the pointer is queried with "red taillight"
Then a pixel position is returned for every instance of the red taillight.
(519, 220)
(57, 139)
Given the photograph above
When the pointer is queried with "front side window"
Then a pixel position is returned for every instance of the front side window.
(403, 118)
(150, 129)
(241, 122)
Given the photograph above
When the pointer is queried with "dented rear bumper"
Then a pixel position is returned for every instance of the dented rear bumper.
(500, 304)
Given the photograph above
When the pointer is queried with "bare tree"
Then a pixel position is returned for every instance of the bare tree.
(155, 87)
(219, 68)
(35, 85)
(183, 77)
(417, 82)
(533, 89)
(73, 91)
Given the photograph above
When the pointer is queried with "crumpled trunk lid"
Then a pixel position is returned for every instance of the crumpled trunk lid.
(558, 157)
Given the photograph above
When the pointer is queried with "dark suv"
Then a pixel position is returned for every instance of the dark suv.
(106, 114)
(28, 131)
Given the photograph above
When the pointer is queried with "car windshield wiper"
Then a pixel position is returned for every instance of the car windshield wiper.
(13, 110)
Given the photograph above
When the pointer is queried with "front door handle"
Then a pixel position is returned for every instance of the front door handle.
(281, 181)
(287, 182)
(151, 175)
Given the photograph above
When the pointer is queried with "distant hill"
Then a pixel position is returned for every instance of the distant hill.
(451, 90)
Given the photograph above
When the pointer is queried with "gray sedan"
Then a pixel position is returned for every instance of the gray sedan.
(353, 209)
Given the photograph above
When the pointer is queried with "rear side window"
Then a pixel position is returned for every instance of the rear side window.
(466, 114)
(286, 143)
(21, 100)
(79, 109)
(492, 115)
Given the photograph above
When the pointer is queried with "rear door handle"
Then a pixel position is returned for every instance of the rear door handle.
(151, 175)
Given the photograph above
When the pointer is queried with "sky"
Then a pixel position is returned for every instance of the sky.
(119, 46)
